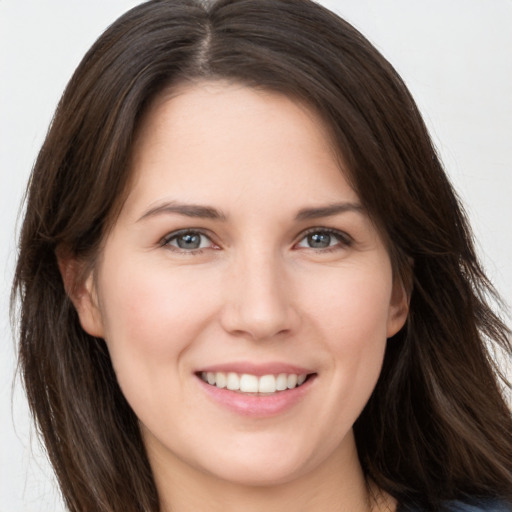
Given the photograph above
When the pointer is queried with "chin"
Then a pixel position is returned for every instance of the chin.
(262, 464)
(259, 474)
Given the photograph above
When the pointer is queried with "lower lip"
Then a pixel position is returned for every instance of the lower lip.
(256, 405)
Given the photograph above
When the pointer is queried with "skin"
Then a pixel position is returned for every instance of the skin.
(254, 291)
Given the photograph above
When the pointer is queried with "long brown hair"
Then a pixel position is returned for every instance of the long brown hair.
(437, 426)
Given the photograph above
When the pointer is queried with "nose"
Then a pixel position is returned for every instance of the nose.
(259, 299)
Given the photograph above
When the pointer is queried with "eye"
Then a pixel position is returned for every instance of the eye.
(187, 241)
(324, 239)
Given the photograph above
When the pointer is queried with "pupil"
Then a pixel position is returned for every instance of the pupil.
(190, 241)
(319, 240)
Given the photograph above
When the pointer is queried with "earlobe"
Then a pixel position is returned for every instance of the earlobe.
(80, 287)
(399, 308)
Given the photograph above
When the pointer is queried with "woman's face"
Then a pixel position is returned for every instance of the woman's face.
(241, 264)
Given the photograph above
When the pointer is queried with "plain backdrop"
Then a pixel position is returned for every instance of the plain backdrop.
(455, 56)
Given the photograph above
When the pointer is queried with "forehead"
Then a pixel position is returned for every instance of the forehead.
(214, 140)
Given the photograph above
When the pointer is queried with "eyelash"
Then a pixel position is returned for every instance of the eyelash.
(166, 241)
(343, 239)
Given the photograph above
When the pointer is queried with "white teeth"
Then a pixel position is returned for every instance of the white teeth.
(247, 383)
(221, 380)
(233, 382)
(267, 384)
(292, 381)
(282, 382)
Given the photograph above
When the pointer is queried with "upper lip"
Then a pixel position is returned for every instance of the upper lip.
(258, 369)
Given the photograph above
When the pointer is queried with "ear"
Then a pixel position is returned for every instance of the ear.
(398, 307)
(80, 286)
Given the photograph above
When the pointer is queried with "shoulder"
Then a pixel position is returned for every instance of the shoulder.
(459, 506)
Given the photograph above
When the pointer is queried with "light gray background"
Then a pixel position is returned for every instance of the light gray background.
(455, 55)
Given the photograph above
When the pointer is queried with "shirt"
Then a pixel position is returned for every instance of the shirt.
(458, 506)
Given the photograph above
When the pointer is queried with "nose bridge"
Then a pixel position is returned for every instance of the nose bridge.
(258, 295)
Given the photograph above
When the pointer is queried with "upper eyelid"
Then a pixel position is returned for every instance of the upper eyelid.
(174, 234)
(319, 229)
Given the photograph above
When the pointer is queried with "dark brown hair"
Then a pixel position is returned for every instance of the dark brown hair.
(437, 426)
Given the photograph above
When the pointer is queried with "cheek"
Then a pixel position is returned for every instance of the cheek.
(152, 316)
(353, 307)
(352, 321)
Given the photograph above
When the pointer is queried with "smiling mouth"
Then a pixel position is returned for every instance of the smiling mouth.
(251, 384)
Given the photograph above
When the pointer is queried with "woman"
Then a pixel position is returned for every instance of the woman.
(246, 282)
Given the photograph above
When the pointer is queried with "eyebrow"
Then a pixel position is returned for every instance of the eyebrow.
(208, 212)
(188, 210)
(329, 210)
